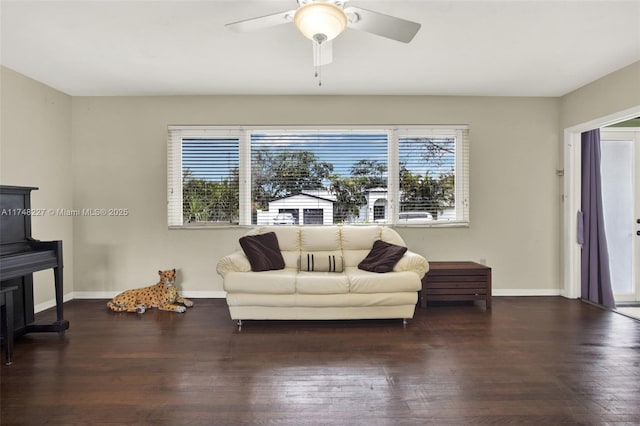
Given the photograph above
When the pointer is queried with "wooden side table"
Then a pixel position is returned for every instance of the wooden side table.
(6, 320)
(456, 281)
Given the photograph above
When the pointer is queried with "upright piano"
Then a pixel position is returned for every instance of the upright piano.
(21, 256)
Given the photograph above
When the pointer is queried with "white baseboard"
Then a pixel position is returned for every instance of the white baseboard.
(221, 295)
(51, 303)
(109, 294)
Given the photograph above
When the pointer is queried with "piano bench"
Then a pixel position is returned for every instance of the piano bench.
(6, 320)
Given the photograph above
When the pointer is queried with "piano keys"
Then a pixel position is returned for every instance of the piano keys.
(21, 256)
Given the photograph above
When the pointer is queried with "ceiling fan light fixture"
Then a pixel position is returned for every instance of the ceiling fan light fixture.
(320, 18)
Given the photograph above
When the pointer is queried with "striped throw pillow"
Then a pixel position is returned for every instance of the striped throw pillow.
(321, 262)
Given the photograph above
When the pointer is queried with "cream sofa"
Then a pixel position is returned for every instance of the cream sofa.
(292, 294)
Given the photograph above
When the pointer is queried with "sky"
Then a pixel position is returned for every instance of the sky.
(212, 159)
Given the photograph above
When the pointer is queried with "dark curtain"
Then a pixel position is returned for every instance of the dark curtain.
(596, 277)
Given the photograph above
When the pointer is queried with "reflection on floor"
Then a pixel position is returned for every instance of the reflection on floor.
(633, 312)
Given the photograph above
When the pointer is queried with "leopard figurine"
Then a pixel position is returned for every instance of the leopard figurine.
(162, 295)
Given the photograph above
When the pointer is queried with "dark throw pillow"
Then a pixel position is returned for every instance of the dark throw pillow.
(382, 257)
(263, 251)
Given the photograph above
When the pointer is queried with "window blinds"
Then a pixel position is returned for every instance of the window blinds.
(203, 181)
(433, 175)
(262, 176)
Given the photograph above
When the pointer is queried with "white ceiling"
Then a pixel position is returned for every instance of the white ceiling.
(502, 48)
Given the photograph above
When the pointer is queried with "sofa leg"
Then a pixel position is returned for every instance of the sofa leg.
(239, 324)
(404, 321)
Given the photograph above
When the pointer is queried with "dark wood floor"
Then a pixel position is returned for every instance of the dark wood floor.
(529, 361)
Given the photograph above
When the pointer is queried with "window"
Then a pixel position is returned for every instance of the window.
(379, 210)
(433, 176)
(266, 176)
(204, 177)
(324, 171)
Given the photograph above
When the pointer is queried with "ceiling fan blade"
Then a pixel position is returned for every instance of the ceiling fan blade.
(261, 22)
(322, 53)
(381, 24)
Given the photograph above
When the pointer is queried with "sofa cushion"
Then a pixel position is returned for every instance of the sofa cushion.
(382, 257)
(321, 261)
(359, 237)
(262, 251)
(261, 299)
(321, 283)
(282, 281)
(320, 238)
(371, 282)
(353, 257)
(288, 236)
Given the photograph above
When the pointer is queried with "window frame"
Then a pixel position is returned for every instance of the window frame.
(243, 133)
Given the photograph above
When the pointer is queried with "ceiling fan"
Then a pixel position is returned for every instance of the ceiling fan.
(323, 20)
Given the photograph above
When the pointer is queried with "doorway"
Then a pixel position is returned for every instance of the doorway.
(572, 173)
(620, 170)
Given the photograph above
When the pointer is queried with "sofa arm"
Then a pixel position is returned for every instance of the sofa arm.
(412, 262)
(235, 262)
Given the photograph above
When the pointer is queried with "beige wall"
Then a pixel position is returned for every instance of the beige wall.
(119, 161)
(613, 93)
(111, 153)
(35, 150)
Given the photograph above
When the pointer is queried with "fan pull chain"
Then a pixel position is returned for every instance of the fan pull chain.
(319, 39)
(318, 73)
